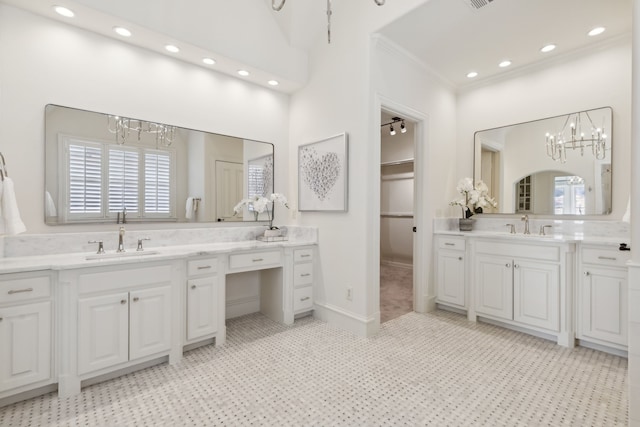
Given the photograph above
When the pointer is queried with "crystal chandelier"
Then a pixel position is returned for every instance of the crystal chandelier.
(279, 7)
(123, 126)
(596, 138)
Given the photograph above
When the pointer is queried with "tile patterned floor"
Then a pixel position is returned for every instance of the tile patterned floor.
(420, 370)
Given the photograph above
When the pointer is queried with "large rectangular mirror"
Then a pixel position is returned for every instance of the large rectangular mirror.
(555, 166)
(107, 168)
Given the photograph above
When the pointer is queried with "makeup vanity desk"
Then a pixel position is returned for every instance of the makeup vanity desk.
(75, 319)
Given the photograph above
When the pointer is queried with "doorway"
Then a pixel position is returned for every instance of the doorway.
(397, 153)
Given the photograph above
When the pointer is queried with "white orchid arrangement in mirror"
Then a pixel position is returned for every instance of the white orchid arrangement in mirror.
(260, 204)
(474, 197)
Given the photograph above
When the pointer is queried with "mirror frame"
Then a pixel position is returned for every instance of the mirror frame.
(181, 167)
(477, 164)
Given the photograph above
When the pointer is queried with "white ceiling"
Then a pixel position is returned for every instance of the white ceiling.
(448, 36)
(452, 38)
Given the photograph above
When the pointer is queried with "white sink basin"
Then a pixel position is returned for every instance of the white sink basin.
(121, 255)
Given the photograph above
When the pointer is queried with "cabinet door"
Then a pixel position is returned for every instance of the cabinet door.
(103, 332)
(494, 286)
(604, 304)
(536, 288)
(202, 303)
(149, 321)
(25, 344)
(450, 277)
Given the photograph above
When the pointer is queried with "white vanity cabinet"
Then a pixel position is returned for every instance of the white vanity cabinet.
(115, 317)
(450, 271)
(26, 326)
(204, 296)
(303, 269)
(123, 326)
(524, 285)
(602, 296)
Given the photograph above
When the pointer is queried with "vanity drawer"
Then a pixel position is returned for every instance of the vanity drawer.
(604, 256)
(198, 267)
(302, 255)
(303, 299)
(24, 288)
(302, 274)
(455, 243)
(254, 260)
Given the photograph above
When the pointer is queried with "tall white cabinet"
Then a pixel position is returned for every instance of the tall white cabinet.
(26, 329)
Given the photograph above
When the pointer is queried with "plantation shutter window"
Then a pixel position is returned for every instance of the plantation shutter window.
(157, 183)
(84, 179)
(123, 180)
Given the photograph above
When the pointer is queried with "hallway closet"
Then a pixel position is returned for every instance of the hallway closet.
(396, 216)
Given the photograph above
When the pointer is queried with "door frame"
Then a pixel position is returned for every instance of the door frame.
(423, 300)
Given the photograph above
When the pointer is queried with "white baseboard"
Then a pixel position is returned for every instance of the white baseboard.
(340, 318)
(242, 306)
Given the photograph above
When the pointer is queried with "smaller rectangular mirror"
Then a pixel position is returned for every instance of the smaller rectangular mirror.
(554, 166)
(101, 167)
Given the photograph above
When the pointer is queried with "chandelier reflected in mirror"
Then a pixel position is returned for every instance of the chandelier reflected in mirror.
(122, 127)
(279, 7)
(582, 134)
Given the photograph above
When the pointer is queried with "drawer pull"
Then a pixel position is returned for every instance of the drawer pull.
(136, 299)
(257, 259)
(204, 267)
(305, 298)
(123, 301)
(305, 275)
(449, 244)
(305, 256)
(11, 292)
(608, 258)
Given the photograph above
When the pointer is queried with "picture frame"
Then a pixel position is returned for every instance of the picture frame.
(323, 175)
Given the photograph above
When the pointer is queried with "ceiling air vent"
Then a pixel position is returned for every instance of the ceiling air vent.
(477, 4)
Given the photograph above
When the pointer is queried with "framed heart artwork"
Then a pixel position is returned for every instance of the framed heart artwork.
(323, 174)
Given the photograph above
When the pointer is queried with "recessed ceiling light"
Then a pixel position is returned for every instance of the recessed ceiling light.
(472, 74)
(122, 31)
(172, 48)
(61, 10)
(504, 63)
(596, 31)
(208, 61)
(548, 48)
(273, 82)
(243, 73)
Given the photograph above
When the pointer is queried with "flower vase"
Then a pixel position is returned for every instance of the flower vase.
(465, 224)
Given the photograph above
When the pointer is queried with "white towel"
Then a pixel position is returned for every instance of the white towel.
(627, 215)
(49, 206)
(11, 223)
(189, 208)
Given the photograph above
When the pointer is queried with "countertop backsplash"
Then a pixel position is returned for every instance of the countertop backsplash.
(56, 243)
(565, 227)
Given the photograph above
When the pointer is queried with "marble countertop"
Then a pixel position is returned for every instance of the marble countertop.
(535, 237)
(69, 261)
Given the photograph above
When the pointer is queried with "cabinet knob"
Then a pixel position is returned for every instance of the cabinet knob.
(193, 286)
(123, 301)
(586, 273)
(0, 319)
(459, 258)
(507, 265)
(516, 266)
(136, 299)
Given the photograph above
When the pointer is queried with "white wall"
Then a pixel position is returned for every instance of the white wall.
(596, 78)
(44, 62)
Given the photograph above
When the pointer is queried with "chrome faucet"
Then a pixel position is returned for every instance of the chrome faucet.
(121, 240)
(525, 218)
